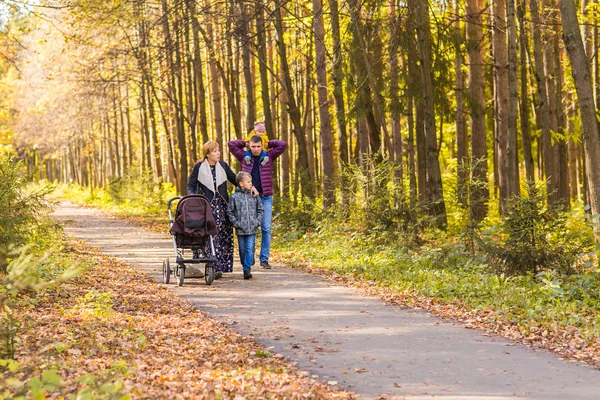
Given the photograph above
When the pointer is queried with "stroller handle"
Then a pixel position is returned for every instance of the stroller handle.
(169, 208)
(172, 200)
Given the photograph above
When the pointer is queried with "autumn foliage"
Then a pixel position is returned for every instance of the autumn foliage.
(114, 333)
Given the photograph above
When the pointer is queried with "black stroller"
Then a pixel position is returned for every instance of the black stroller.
(192, 228)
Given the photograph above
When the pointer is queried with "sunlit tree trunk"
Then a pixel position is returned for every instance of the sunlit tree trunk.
(264, 78)
(462, 145)
(416, 118)
(501, 91)
(513, 102)
(176, 94)
(573, 150)
(547, 120)
(435, 195)
(375, 124)
(337, 77)
(396, 153)
(200, 93)
(587, 108)
(244, 38)
(563, 159)
(524, 102)
(302, 173)
(324, 116)
(479, 160)
(309, 124)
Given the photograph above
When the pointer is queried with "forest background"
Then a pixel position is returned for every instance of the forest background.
(447, 150)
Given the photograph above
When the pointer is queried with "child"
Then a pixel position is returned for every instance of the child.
(260, 131)
(245, 213)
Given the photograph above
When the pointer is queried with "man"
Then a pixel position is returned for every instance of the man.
(261, 169)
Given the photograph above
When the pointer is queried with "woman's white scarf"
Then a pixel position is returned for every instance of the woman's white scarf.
(205, 176)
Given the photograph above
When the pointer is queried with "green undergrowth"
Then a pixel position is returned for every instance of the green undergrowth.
(129, 197)
(444, 270)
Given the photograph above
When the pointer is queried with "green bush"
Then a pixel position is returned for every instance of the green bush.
(374, 198)
(535, 237)
(141, 190)
(22, 212)
(131, 195)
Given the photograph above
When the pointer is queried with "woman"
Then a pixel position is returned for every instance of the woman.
(209, 178)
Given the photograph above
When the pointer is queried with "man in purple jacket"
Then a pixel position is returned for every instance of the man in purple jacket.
(262, 180)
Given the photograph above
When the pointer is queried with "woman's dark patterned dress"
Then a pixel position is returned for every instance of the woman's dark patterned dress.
(224, 239)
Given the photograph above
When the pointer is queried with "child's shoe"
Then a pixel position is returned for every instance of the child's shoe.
(264, 160)
(247, 159)
(247, 275)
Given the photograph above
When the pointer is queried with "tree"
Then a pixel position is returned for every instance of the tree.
(324, 116)
(479, 192)
(585, 96)
(292, 108)
(435, 195)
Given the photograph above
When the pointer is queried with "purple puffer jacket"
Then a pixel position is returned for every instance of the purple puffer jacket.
(275, 147)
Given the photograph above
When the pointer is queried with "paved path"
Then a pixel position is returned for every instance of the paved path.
(340, 335)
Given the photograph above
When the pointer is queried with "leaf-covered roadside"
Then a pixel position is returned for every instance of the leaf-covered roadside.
(114, 333)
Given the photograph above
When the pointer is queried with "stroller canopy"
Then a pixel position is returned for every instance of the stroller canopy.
(194, 221)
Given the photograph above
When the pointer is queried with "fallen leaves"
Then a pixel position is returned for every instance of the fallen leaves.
(115, 330)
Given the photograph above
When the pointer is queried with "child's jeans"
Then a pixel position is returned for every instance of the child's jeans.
(246, 245)
(248, 153)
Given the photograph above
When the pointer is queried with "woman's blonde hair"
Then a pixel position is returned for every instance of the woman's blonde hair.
(208, 148)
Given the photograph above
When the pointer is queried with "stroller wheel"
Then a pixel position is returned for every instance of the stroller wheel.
(166, 271)
(181, 274)
(209, 274)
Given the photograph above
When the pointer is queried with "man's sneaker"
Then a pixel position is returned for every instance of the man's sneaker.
(265, 265)
(218, 274)
(247, 275)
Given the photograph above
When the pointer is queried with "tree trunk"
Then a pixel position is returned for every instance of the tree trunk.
(337, 77)
(548, 86)
(411, 154)
(264, 78)
(513, 102)
(434, 190)
(573, 150)
(479, 167)
(198, 73)
(176, 92)
(308, 122)
(285, 157)
(524, 103)
(191, 92)
(355, 7)
(324, 116)
(245, 44)
(462, 145)
(585, 95)
(302, 174)
(563, 156)
(395, 110)
(415, 94)
(502, 105)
